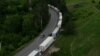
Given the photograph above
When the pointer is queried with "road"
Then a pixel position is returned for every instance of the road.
(47, 31)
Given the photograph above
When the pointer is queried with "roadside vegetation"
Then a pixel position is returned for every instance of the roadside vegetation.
(20, 22)
(86, 38)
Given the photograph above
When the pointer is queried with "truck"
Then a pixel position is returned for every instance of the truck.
(35, 53)
(46, 43)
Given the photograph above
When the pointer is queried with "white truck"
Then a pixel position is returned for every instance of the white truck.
(54, 33)
(35, 53)
(46, 43)
(56, 9)
(60, 15)
(59, 23)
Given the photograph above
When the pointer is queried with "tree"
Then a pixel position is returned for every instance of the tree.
(13, 23)
(41, 10)
(28, 24)
(18, 24)
(61, 4)
(93, 1)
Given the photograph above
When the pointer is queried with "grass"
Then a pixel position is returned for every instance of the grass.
(87, 40)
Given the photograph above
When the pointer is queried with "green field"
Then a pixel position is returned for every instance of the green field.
(86, 41)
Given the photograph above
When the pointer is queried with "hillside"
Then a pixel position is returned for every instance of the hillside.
(86, 38)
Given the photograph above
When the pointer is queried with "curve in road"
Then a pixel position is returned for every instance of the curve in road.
(47, 31)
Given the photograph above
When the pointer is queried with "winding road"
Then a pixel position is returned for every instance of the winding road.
(47, 31)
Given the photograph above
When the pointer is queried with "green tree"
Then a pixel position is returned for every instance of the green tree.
(13, 23)
(28, 24)
(93, 1)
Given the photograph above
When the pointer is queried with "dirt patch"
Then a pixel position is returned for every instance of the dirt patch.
(51, 50)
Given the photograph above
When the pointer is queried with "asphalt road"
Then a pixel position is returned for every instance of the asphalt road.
(47, 31)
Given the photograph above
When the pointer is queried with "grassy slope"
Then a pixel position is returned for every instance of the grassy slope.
(87, 40)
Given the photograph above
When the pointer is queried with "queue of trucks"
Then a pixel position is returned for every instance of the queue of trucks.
(50, 39)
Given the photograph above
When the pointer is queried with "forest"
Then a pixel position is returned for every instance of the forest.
(20, 22)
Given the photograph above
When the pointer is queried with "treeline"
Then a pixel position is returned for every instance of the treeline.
(20, 22)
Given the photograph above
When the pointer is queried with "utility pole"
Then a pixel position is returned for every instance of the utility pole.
(41, 23)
